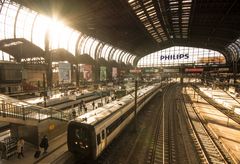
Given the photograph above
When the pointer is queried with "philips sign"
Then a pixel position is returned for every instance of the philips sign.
(174, 57)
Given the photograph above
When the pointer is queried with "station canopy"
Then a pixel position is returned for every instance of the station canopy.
(131, 28)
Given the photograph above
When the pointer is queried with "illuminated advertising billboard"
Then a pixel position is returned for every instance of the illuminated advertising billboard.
(103, 73)
(64, 73)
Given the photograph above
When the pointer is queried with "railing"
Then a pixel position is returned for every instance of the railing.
(22, 110)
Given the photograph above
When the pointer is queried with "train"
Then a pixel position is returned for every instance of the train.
(90, 134)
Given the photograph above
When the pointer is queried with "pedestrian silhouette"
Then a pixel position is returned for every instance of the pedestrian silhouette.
(44, 143)
(20, 146)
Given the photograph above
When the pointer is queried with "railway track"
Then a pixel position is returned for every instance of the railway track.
(163, 147)
(155, 152)
(207, 148)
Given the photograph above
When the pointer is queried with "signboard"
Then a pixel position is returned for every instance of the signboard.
(103, 73)
(194, 70)
(171, 70)
(64, 73)
(223, 69)
(151, 70)
(135, 70)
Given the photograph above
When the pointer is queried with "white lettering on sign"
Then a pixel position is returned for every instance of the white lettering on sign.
(174, 57)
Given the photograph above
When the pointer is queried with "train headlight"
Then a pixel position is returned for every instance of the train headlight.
(76, 142)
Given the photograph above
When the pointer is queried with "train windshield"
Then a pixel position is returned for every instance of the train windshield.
(81, 134)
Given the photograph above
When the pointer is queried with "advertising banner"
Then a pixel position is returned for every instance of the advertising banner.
(114, 72)
(87, 72)
(103, 73)
(64, 73)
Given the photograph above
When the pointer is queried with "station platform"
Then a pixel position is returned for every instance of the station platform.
(222, 100)
(54, 96)
(225, 129)
(30, 149)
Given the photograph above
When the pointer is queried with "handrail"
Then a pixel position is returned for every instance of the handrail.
(14, 108)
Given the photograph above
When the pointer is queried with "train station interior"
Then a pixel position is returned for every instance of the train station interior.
(119, 81)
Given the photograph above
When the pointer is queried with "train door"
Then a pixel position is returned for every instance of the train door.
(101, 141)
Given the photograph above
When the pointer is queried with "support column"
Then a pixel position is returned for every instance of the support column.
(71, 73)
(135, 104)
(234, 70)
(77, 75)
(48, 59)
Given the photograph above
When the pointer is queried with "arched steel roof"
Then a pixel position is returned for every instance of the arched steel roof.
(143, 27)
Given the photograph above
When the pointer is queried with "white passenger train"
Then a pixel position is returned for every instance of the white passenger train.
(89, 134)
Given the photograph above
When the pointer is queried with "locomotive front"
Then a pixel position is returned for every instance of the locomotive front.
(79, 140)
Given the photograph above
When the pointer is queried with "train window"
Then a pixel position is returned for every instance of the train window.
(103, 134)
(98, 139)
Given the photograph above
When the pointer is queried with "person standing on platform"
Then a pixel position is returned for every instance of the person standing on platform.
(74, 114)
(93, 104)
(44, 144)
(20, 146)
(84, 106)
(79, 109)
(81, 106)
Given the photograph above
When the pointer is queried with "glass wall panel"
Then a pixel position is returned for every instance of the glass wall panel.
(109, 55)
(5, 57)
(104, 49)
(127, 58)
(2, 20)
(83, 43)
(40, 28)
(80, 43)
(116, 54)
(175, 56)
(11, 13)
(132, 59)
(24, 23)
(120, 57)
(99, 49)
(124, 59)
(94, 48)
(72, 43)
